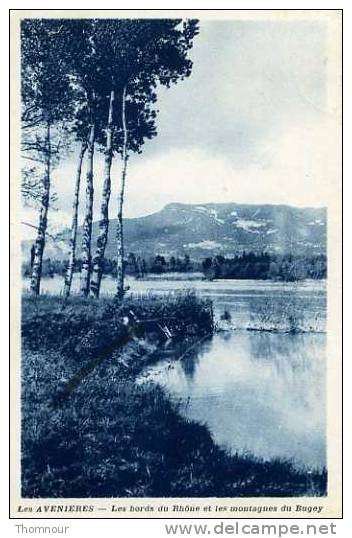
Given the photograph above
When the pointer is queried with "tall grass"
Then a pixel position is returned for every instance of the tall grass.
(82, 328)
(285, 314)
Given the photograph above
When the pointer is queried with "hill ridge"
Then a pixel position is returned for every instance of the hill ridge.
(208, 229)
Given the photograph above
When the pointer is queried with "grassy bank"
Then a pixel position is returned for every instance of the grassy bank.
(108, 437)
(84, 328)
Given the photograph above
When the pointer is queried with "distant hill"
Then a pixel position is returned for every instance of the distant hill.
(209, 229)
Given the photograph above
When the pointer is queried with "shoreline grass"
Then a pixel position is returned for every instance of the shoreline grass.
(112, 437)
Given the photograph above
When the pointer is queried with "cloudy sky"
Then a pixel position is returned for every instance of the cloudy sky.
(247, 126)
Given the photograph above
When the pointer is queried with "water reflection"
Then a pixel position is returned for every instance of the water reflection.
(189, 365)
(260, 393)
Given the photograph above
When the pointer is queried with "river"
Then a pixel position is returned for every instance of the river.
(259, 382)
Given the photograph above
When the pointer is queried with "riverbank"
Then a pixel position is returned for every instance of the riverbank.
(90, 431)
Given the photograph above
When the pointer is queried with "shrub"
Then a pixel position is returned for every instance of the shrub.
(81, 328)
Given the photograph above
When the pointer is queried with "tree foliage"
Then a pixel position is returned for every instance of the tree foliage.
(70, 67)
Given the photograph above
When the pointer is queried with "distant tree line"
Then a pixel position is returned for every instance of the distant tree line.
(265, 266)
(248, 265)
(133, 265)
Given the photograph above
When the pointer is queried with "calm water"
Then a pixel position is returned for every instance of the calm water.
(258, 392)
(251, 303)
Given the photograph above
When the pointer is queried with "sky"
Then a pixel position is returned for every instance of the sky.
(248, 126)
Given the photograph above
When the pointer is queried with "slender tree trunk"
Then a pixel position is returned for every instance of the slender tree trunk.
(43, 219)
(98, 260)
(87, 225)
(119, 230)
(75, 205)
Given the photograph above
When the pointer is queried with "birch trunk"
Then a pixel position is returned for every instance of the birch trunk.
(72, 244)
(43, 220)
(98, 260)
(119, 229)
(87, 225)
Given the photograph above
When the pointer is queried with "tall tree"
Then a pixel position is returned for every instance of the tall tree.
(74, 223)
(137, 107)
(87, 85)
(45, 103)
(160, 56)
(88, 219)
(104, 211)
(139, 54)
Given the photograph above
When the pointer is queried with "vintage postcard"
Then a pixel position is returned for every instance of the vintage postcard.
(176, 264)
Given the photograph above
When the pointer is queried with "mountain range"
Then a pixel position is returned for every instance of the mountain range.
(203, 230)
